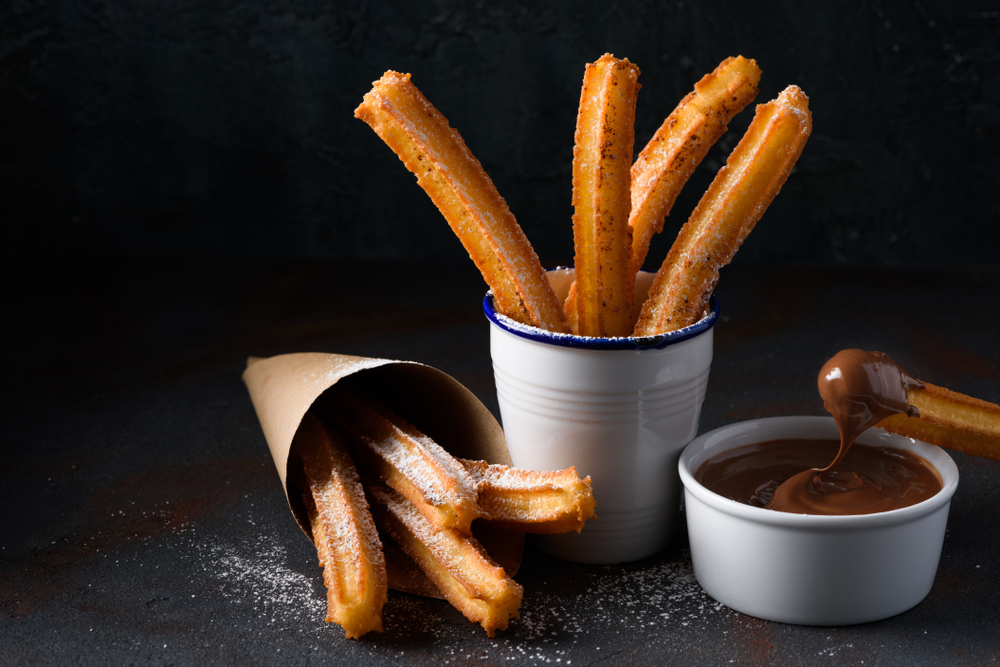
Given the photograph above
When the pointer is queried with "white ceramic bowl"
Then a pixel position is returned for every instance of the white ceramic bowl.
(807, 569)
(618, 409)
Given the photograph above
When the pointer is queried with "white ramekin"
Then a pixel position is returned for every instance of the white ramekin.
(808, 569)
(618, 409)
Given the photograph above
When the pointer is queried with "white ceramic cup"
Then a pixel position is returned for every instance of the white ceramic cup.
(618, 409)
(808, 569)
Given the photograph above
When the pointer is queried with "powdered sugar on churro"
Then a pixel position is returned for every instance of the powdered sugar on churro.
(417, 454)
(519, 327)
(414, 521)
(425, 465)
(528, 329)
(446, 461)
(507, 478)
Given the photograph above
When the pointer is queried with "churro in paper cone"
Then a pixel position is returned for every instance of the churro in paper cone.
(285, 387)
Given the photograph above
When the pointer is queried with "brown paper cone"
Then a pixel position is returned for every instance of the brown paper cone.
(285, 387)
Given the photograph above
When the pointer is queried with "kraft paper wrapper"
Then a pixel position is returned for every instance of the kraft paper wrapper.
(285, 387)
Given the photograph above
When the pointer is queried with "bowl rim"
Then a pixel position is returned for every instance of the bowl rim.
(772, 428)
(656, 342)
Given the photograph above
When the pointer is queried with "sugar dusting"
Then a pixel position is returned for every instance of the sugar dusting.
(529, 330)
(651, 602)
(641, 599)
(264, 580)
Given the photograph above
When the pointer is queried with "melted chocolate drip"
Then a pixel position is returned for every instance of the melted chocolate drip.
(859, 389)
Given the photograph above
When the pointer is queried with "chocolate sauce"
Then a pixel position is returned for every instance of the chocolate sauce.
(859, 389)
(867, 480)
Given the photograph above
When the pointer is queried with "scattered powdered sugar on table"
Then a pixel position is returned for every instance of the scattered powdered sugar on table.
(632, 604)
(256, 574)
(264, 580)
(665, 592)
(651, 602)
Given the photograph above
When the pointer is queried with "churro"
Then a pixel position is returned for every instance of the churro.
(666, 163)
(862, 389)
(456, 563)
(728, 211)
(602, 159)
(951, 420)
(347, 543)
(446, 169)
(530, 501)
(668, 160)
(406, 459)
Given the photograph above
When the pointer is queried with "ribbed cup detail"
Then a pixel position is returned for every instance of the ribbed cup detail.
(656, 402)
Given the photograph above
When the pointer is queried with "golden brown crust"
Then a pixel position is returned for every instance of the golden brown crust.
(602, 160)
(465, 195)
(347, 543)
(668, 160)
(952, 420)
(569, 307)
(407, 460)
(530, 501)
(456, 563)
(732, 205)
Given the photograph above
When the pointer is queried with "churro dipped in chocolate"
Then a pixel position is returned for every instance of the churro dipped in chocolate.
(602, 160)
(530, 501)
(456, 563)
(406, 460)
(860, 389)
(446, 169)
(347, 543)
(732, 205)
(863, 389)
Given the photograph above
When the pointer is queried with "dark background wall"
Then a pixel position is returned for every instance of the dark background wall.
(187, 127)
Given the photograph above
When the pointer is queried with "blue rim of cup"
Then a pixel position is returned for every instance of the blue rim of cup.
(657, 342)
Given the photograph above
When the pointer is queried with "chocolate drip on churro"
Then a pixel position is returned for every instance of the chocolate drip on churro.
(860, 389)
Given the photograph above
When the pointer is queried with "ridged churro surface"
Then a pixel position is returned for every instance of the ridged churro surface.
(446, 169)
(602, 160)
(347, 543)
(732, 205)
(951, 420)
(407, 460)
(668, 160)
(456, 563)
(531, 501)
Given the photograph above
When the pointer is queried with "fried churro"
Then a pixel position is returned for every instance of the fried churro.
(951, 420)
(407, 460)
(456, 563)
(446, 169)
(666, 163)
(530, 501)
(862, 389)
(347, 543)
(732, 205)
(602, 159)
(668, 160)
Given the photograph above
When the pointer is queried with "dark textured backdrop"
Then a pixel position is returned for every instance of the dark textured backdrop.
(185, 127)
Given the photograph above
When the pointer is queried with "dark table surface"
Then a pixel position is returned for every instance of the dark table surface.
(143, 522)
